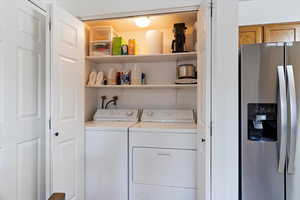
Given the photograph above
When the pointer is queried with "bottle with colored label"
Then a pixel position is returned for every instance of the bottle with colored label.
(131, 47)
(116, 46)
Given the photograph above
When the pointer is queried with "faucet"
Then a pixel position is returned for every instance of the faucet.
(103, 98)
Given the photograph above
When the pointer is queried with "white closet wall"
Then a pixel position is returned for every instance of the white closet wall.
(91, 96)
(156, 72)
(83, 8)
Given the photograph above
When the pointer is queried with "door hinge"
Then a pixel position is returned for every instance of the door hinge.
(211, 126)
(50, 25)
(50, 124)
(211, 8)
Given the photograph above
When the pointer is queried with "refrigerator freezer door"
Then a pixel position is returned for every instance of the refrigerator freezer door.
(293, 179)
(260, 179)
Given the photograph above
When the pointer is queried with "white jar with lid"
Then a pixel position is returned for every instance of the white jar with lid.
(112, 77)
(154, 42)
(136, 75)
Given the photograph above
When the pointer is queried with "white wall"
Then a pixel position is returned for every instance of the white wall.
(268, 11)
(224, 162)
(250, 11)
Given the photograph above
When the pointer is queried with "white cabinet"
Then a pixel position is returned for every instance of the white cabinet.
(106, 164)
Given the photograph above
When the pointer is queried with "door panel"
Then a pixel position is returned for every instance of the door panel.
(250, 35)
(22, 101)
(67, 172)
(68, 94)
(29, 80)
(28, 162)
(67, 89)
(293, 180)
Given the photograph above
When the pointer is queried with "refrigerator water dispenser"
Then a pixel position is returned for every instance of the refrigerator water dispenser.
(262, 122)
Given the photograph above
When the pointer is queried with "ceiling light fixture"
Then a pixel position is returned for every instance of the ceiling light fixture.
(142, 22)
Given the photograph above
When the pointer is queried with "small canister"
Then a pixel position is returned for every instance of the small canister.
(119, 78)
(186, 71)
(124, 49)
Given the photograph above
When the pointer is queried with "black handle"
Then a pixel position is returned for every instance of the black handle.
(56, 134)
(203, 140)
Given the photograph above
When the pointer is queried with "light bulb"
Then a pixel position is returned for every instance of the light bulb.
(142, 22)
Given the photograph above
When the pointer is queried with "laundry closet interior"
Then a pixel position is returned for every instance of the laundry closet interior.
(158, 89)
(154, 93)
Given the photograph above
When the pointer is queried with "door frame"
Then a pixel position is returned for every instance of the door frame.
(48, 171)
(118, 15)
(225, 98)
(205, 129)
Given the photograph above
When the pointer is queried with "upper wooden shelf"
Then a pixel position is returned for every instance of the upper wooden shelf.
(144, 58)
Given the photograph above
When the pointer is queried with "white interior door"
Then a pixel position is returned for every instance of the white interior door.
(22, 101)
(67, 104)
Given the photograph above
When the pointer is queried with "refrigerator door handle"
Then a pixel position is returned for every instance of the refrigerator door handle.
(292, 118)
(282, 118)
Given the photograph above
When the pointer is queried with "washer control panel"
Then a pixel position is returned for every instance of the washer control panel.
(116, 115)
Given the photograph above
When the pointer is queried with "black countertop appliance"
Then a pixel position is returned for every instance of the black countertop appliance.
(179, 35)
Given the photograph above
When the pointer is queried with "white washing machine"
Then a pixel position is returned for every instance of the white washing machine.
(107, 154)
(163, 156)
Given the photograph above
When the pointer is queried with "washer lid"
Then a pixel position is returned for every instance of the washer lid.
(168, 115)
(108, 126)
(126, 115)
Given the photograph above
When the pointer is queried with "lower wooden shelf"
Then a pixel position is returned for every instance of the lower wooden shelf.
(148, 86)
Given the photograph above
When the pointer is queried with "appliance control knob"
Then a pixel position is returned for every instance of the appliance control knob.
(150, 113)
(130, 113)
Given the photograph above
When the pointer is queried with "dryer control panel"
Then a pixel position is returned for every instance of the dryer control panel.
(168, 115)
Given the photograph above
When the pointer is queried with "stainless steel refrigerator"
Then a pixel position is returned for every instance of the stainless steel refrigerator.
(270, 122)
